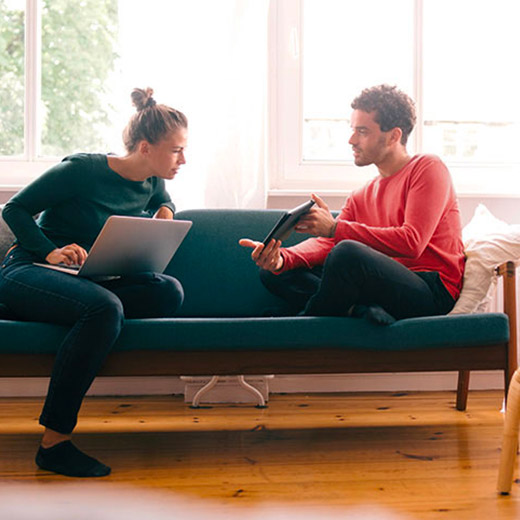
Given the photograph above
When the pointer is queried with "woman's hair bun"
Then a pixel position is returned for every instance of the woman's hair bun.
(142, 98)
(152, 122)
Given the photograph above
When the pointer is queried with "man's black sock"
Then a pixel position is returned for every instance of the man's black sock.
(378, 315)
(64, 458)
(373, 313)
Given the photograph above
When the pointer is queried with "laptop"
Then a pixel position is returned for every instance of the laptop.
(129, 245)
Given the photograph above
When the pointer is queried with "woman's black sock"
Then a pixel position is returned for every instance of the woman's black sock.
(64, 458)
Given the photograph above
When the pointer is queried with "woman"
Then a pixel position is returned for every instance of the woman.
(74, 199)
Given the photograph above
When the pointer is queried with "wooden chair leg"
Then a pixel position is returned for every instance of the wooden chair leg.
(510, 440)
(462, 390)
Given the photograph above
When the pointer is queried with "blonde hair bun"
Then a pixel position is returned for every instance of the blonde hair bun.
(142, 98)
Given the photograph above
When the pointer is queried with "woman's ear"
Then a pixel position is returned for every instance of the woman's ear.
(143, 147)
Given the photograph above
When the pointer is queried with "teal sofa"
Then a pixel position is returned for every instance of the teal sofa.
(221, 329)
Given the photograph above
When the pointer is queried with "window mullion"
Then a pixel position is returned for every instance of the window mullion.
(32, 127)
(418, 73)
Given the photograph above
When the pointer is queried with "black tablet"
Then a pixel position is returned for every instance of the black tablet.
(288, 220)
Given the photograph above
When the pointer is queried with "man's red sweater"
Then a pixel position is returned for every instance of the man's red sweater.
(411, 216)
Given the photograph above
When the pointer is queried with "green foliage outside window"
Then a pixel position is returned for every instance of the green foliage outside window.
(77, 57)
(11, 80)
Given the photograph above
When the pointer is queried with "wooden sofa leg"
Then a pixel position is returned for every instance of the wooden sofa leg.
(462, 390)
(510, 439)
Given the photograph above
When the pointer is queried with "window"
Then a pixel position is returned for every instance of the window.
(56, 63)
(470, 83)
(54, 96)
(82, 59)
(12, 69)
(68, 69)
(334, 38)
(456, 59)
(78, 53)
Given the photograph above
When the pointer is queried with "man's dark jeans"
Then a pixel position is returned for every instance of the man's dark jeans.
(95, 312)
(356, 274)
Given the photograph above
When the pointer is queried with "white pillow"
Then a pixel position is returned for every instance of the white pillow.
(488, 242)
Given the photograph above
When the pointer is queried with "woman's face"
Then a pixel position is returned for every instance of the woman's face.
(167, 156)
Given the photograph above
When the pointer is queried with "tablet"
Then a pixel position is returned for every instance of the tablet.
(283, 228)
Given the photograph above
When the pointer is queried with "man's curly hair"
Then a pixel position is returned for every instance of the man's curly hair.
(393, 108)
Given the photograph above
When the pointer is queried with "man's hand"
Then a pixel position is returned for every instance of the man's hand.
(164, 212)
(266, 257)
(69, 254)
(318, 221)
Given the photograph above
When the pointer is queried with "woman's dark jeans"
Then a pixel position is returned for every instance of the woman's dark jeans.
(95, 312)
(356, 274)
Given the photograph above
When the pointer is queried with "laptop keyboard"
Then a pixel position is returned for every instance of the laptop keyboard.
(75, 267)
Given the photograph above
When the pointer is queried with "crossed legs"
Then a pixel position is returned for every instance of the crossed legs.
(356, 279)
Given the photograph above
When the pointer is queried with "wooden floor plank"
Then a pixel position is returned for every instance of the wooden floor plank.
(405, 455)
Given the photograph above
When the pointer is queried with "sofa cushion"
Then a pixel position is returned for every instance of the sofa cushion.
(275, 333)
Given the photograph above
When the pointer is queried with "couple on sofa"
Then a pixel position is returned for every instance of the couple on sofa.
(395, 251)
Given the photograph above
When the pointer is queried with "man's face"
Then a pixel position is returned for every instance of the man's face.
(369, 143)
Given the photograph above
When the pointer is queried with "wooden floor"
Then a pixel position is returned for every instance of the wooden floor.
(384, 455)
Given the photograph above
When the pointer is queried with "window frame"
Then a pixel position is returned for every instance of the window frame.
(290, 174)
(19, 170)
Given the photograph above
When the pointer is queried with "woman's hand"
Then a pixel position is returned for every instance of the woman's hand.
(318, 221)
(164, 212)
(69, 254)
(266, 257)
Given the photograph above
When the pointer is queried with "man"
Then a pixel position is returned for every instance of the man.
(395, 251)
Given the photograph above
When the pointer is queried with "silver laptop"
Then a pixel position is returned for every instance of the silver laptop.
(129, 245)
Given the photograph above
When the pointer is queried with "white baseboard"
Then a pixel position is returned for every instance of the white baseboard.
(121, 386)
(418, 381)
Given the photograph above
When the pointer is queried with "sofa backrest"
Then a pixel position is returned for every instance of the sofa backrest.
(6, 236)
(218, 275)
